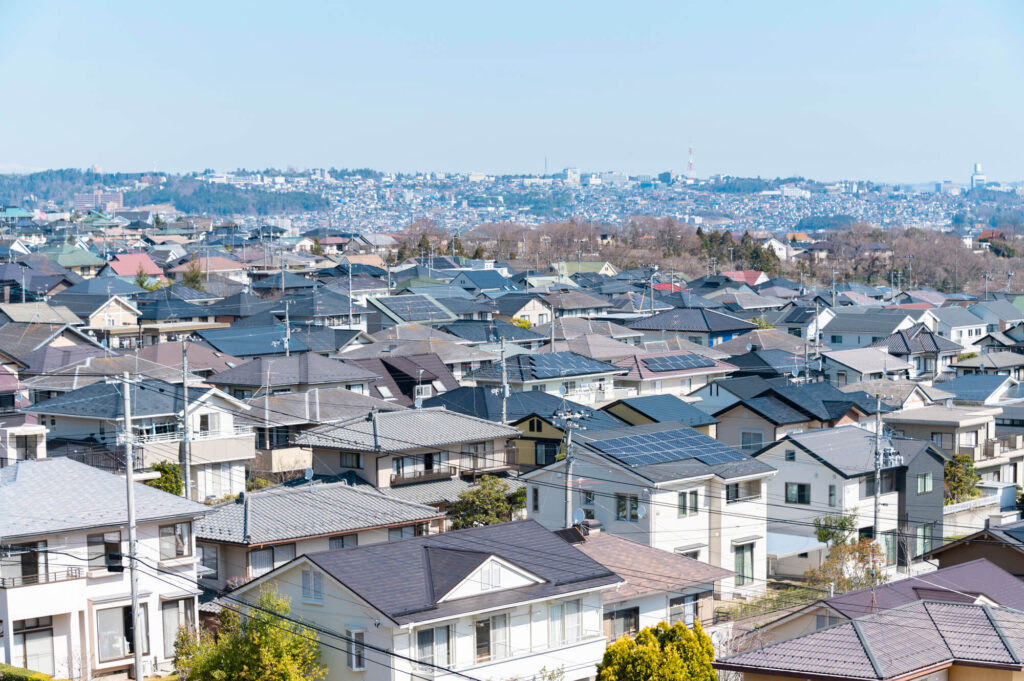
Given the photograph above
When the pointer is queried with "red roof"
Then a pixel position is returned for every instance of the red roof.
(666, 286)
(127, 265)
(748, 277)
(910, 306)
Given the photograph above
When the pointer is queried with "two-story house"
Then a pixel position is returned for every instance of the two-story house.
(569, 374)
(697, 325)
(220, 448)
(294, 373)
(62, 611)
(960, 325)
(672, 373)
(668, 486)
(248, 537)
(842, 367)
(930, 353)
(832, 472)
(491, 602)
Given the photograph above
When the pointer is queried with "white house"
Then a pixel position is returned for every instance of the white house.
(491, 602)
(61, 611)
(666, 486)
(960, 325)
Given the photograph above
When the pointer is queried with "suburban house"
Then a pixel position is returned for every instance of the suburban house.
(461, 359)
(667, 486)
(407, 379)
(1000, 362)
(112, 320)
(842, 367)
(496, 602)
(960, 325)
(930, 353)
(575, 304)
(220, 447)
(63, 611)
(998, 315)
(858, 327)
(636, 411)
(832, 472)
(527, 306)
(388, 311)
(668, 588)
(697, 325)
(293, 373)
(248, 537)
(569, 328)
(571, 375)
(1000, 543)
(671, 373)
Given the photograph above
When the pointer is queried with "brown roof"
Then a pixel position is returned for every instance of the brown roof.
(638, 369)
(902, 642)
(594, 346)
(662, 570)
(200, 357)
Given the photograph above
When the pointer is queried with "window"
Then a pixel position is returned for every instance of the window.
(546, 452)
(969, 439)
(175, 541)
(535, 496)
(385, 392)
(889, 546)
(569, 386)
(586, 497)
(100, 545)
(491, 636)
(115, 633)
(835, 339)
(627, 507)
(832, 496)
(208, 559)
(841, 378)
(924, 538)
(283, 553)
(356, 653)
(433, 646)
(798, 493)
(423, 392)
(924, 483)
(35, 639)
(351, 460)
(406, 532)
(533, 425)
(943, 440)
(565, 623)
(175, 615)
(790, 455)
(312, 585)
(751, 440)
(490, 576)
(261, 561)
(732, 492)
(272, 438)
(744, 564)
(621, 623)
(683, 609)
(344, 541)
(692, 555)
(823, 621)
(688, 503)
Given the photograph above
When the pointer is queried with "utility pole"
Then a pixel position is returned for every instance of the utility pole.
(571, 422)
(287, 331)
(833, 286)
(878, 469)
(350, 294)
(504, 385)
(186, 441)
(133, 548)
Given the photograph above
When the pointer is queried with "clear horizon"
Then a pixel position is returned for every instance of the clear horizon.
(909, 94)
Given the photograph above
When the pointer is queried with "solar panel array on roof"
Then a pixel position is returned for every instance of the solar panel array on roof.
(562, 364)
(644, 449)
(414, 308)
(677, 362)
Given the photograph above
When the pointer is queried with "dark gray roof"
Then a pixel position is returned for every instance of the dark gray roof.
(102, 400)
(478, 331)
(547, 366)
(848, 450)
(976, 387)
(299, 369)
(699, 320)
(662, 408)
(269, 339)
(485, 403)
(915, 340)
(405, 579)
(311, 510)
(48, 496)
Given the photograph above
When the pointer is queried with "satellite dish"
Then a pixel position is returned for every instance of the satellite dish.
(578, 516)
(641, 511)
(561, 391)
(749, 347)
(308, 474)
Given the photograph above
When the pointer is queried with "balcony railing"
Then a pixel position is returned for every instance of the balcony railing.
(177, 435)
(740, 500)
(42, 578)
(436, 473)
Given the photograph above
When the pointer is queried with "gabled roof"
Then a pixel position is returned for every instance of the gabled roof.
(240, 305)
(200, 357)
(574, 327)
(92, 368)
(664, 408)
(58, 495)
(415, 332)
(282, 281)
(405, 430)
(896, 643)
(450, 353)
(481, 279)
(107, 286)
(269, 339)
(657, 365)
(18, 340)
(699, 320)
(917, 339)
(980, 388)
(298, 369)
(102, 400)
(213, 263)
(485, 403)
(955, 316)
(314, 406)
(39, 313)
(574, 300)
(991, 360)
(128, 265)
(511, 303)
(766, 339)
(597, 347)
(479, 331)
(546, 366)
(312, 510)
(848, 450)
(871, 360)
(171, 309)
(411, 308)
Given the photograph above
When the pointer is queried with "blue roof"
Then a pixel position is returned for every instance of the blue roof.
(485, 279)
(545, 366)
(637, 446)
(485, 403)
(974, 387)
(662, 408)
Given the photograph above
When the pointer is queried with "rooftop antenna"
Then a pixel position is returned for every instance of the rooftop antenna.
(689, 166)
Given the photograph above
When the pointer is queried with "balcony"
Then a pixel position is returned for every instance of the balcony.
(740, 500)
(65, 575)
(474, 463)
(436, 473)
(197, 435)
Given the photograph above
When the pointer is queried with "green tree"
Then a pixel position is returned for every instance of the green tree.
(170, 477)
(424, 244)
(479, 253)
(457, 247)
(835, 529)
(193, 277)
(318, 249)
(261, 645)
(492, 501)
(661, 652)
(961, 479)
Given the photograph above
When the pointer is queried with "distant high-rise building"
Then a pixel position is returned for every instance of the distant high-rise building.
(98, 200)
(978, 179)
(572, 176)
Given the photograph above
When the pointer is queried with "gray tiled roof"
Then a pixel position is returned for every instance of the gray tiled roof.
(48, 496)
(917, 339)
(700, 320)
(306, 368)
(849, 450)
(405, 579)
(284, 513)
(406, 430)
(438, 491)
(319, 405)
(103, 400)
(894, 643)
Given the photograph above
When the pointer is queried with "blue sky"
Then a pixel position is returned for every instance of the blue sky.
(907, 91)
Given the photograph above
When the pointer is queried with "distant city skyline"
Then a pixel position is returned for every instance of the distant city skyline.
(912, 93)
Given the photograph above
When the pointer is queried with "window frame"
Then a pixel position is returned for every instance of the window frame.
(627, 620)
(174, 529)
(744, 568)
(928, 483)
(344, 539)
(627, 508)
(355, 649)
(748, 447)
(312, 585)
(98, 561)
(202, 549)
(130, 642)
(797, 498)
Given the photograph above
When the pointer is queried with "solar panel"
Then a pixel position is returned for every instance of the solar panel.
(677, 362)
(414, 308)
(680, 444)
(564, 364)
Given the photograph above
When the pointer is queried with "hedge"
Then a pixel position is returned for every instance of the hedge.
(9, 673)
